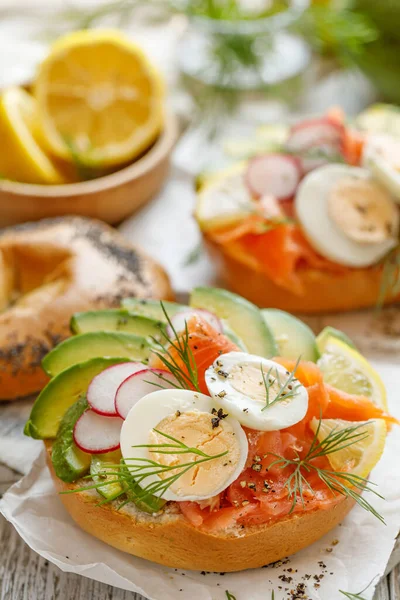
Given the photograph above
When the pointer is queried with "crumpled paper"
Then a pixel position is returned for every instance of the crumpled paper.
(361, 554)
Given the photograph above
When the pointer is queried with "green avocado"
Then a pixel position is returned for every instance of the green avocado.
(104, 469)
(61, 393)
(117, 320)
(84, 346)
(241, 316)
(69, 462)
(293, 337)
(152, 308)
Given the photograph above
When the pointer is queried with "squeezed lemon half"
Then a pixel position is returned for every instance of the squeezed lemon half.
(346, 369)
(360, 456)
(99, 95)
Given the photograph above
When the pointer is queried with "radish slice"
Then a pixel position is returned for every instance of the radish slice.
(314, 132)
(316, 136)
(139, 385)
(274, 174)
(97, 434)
(180, 318)
(102, 389)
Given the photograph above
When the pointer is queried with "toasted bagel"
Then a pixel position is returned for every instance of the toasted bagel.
(324, 291)
(50, 269)
(169, 539)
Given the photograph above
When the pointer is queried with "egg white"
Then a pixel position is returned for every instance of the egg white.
(246, 408)
(145, 415)
(377, 157)
(322, 232)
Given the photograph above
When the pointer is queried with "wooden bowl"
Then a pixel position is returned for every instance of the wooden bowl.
(111, 198)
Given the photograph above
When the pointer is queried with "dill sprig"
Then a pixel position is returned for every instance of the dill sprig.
(352, 596)
(229, 595)
(286, 390)
(142, 468)
(346, 484)
(193, 256)
(356, 596)
(186, 376)
(390, 281)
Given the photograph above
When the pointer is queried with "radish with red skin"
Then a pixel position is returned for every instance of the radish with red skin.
(314, 132)
(97, 434)
(140, 384)
(180, 318)
(102, 389)
(316, 135)
(273, 174)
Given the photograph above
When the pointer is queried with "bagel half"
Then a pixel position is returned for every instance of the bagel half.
(324, 291)
(51, 269)
(169, 539)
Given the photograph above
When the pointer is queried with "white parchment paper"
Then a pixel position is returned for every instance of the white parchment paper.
(361, 554)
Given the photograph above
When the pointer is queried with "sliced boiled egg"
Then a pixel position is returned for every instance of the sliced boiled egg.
(346, 215)
(381, 156)
(239, 382)
(196, 421)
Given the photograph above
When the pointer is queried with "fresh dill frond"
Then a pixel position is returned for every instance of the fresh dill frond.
(229, 595)
(356, 596)
(341, 33)
(390, 281)
(274, 223)
(344, 483)
(141, 468)
(287, 390)
(186, 376)
(84, 170)
(193, 256)
(352, 596)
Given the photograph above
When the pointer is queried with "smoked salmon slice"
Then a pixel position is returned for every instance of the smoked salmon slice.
(205, 345)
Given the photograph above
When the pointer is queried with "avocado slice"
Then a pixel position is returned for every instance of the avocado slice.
(134, 493)
(241, 316)
(152, 308)
(69, 462)
(117, 320)
(94, 344)
(99, 467)
(60, 393)
(294, 338)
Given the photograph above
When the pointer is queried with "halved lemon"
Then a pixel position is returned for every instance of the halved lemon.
(99, 96)
(22, 158)
(346, 369)
(360, 457)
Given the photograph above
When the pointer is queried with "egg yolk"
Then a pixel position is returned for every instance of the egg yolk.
(362, 210)
(205, 432)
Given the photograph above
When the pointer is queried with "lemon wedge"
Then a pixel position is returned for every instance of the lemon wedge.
(380, 118)
(22, 158)
(360, 457)
(99, 96)
(223, 199)
(346, 369)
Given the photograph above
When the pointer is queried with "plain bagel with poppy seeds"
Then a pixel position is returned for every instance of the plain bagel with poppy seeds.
(51, 269)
